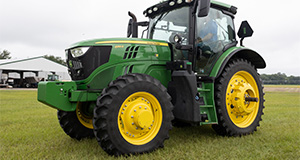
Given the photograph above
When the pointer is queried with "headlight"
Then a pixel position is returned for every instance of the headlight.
(77, 52)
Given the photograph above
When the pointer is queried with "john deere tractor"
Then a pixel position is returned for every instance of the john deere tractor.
(129, 92)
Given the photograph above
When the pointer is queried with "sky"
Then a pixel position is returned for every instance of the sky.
(34, 28)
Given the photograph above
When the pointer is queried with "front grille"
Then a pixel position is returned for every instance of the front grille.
(81, 67)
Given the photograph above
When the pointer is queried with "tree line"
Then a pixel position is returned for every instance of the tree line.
(280, 78)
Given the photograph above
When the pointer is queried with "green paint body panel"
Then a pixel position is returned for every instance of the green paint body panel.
(207, 92)
(151, 59)
(57, 94)
(221, 60)
(150, 55)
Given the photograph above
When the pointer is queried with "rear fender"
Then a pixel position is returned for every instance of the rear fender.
(237, 52)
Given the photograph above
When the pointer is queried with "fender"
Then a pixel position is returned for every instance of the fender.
(237, 52)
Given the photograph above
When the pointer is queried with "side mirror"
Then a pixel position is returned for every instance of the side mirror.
(203, 6)
(245, 31)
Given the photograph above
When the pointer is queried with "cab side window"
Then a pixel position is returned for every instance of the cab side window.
(213, 33)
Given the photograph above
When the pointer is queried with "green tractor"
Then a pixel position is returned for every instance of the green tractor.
(129, 92)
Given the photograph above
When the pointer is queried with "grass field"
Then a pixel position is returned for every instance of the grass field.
(30, 130)
(282, 86)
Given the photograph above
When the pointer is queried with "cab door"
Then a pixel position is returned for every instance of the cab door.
(213, 34)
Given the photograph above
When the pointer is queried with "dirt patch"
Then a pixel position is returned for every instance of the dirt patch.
(281, 89)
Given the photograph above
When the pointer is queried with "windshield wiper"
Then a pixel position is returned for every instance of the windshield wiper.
(158, 19)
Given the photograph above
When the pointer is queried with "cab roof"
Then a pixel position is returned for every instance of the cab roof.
(168, 5)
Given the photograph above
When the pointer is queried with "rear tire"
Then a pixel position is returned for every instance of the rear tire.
(133, 115)
(76, 124)
(238, 82)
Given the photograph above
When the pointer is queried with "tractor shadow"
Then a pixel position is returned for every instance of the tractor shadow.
(192, 134)
(180, 137)
(191, 131)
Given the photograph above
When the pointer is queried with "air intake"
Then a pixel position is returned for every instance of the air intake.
(131, 52)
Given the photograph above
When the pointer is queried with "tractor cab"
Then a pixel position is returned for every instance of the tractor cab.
(199, 31)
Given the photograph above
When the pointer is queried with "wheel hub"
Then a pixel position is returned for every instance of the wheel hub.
(139, 118)
(241, 99)
(144, 118)
(241, 90)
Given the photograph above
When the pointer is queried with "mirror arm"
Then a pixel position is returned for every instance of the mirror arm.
(241, 41)
(143, 23)
(184, 47)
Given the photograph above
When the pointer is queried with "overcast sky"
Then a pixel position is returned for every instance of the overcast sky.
(37, 27)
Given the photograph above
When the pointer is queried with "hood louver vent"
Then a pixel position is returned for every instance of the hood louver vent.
(131, 52)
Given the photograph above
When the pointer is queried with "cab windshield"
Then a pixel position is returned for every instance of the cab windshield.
(165, 26)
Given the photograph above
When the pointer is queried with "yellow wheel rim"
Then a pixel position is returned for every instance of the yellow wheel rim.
(140, 118)
(84, 119)
(242, 86)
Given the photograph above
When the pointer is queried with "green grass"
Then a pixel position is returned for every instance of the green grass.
(30, 130)
(282, 86)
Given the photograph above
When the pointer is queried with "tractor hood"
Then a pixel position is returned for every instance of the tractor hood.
(115, 41)
(86, 56)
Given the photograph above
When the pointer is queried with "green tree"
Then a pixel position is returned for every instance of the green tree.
(56, 59)
(5, 54)
(280, 78)
(294, 80)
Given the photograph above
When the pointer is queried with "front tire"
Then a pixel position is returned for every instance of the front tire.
(76, 124)
(239, 99)
(133, 115)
